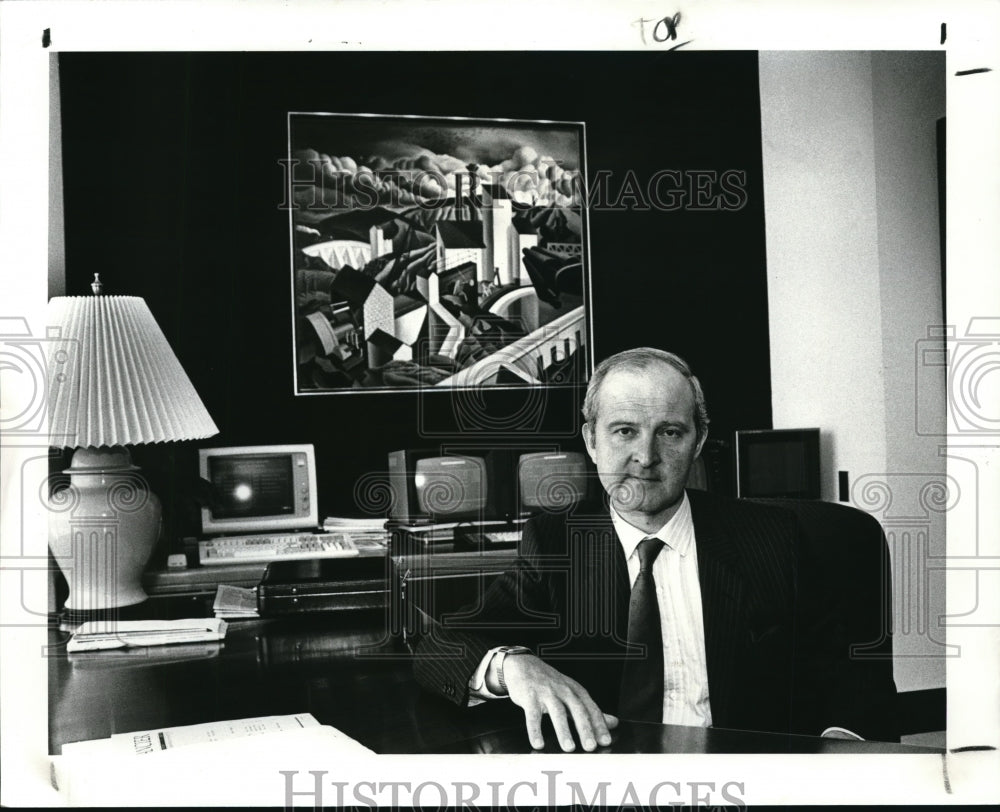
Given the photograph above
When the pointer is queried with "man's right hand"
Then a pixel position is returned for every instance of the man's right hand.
(538, 688)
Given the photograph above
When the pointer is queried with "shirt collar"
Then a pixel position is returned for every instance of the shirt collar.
(675, 534)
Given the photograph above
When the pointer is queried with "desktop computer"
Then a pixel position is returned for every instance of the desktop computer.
(264, 507)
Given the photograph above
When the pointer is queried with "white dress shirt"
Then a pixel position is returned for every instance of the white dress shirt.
(678, 595)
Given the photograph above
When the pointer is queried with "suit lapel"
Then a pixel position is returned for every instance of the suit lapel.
(721, 601)
(594, 585)
(608, 557)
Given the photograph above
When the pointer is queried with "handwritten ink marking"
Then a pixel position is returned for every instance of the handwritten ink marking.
(641, 22)
(944, 32)
(972, 71)
(663, 29)
(46, 38)
(671, 24)
(143, 744)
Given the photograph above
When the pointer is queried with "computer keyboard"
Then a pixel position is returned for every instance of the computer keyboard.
(262, 549)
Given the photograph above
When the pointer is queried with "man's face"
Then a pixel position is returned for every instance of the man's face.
(644, 441)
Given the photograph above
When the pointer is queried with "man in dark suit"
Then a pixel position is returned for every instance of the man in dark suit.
(660, 604)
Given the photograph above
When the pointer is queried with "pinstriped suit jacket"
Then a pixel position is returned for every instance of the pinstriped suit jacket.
(770, 653)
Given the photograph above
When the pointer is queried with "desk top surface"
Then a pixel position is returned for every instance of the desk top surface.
(349, 673)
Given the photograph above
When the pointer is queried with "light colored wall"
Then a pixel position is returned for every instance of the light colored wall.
(822, 254)
(57, 240)
(854, 283)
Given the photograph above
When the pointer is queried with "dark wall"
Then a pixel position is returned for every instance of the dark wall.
(173, 192)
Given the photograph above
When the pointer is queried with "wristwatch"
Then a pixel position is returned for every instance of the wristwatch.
(502, 653)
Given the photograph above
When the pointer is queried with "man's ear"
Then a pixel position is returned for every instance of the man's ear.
(701, 442)
(588, 439)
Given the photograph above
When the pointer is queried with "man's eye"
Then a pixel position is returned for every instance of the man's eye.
(670, 433)
(624, 431)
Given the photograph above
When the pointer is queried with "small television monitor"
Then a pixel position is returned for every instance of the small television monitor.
(778, 463)
(429, 486)
(259, 488)
(551, 480)
(451, 488)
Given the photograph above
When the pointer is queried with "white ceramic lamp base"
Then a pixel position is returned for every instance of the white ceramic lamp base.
(102, 530)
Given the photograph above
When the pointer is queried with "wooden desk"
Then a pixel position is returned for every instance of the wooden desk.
(348, 673)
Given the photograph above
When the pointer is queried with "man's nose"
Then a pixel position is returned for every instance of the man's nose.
(645, 452)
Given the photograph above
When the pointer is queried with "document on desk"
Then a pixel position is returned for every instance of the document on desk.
(223, 734)
(147, 742)
(150, 741)
(123, 768)
(105, 634)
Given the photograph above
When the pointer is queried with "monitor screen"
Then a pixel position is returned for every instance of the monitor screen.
(451, 487)
(551, 480)
(259, 488)
(778, 463)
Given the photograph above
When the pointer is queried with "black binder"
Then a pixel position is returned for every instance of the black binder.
(324, 585)
(442, 585)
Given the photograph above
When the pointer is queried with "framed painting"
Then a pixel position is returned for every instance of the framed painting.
(437, 252)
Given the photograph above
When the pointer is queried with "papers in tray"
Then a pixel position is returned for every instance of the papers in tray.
(107, 634)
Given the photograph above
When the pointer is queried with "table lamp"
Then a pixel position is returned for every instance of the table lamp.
(113, 382)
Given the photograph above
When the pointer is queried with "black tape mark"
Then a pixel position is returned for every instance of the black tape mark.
(972, 71)
(944, 32)
(46, 38)
(972, 748)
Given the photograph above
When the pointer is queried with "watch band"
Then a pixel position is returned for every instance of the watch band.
(502, 653)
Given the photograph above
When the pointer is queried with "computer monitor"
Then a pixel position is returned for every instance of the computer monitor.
(451, 488)
(551, 480)
(778, 463)
(259, 488)
(433, 487)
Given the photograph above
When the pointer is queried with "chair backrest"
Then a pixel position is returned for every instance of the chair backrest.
(709, 470)
(698, 475)
(850, 549)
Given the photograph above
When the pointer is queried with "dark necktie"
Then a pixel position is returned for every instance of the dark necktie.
(641, 697)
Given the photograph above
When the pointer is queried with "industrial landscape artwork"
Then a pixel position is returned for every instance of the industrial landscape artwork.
(437, 252)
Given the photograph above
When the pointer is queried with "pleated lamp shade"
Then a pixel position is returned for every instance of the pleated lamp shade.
(113, 382)
(114, 379)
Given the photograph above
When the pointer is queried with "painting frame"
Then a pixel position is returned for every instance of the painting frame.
(437, 253)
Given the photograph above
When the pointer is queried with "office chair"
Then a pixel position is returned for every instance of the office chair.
(850, 549)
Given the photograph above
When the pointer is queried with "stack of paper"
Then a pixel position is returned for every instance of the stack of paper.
(104, 634)
(235, 761)
(367, 534)
(146, 742)
(235, 602)
(346, 523)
